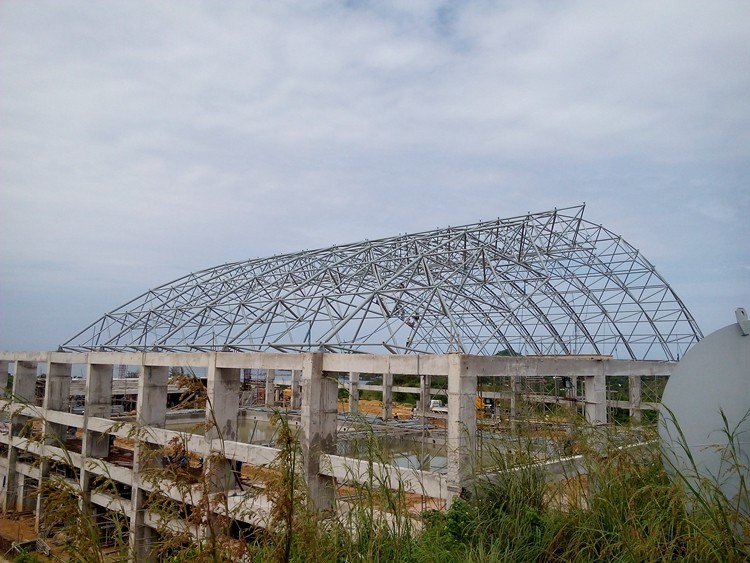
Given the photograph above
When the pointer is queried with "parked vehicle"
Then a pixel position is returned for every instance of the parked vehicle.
(436, 405)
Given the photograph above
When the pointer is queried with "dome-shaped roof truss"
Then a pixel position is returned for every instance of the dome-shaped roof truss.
(543, 283)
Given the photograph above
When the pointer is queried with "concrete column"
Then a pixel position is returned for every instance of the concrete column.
(223, 387)
(354, 392)
(595, 388)
(4, 366)
(98, 404)
(296, 390)
(270, 378)
(425, 386)
(56, 398)
(515, 398)
(151, 410)
(25, 494)
(425, 395)
(24, 382)
(141, 536)
(318, 418)
(24, 387)
(572, 393)
(9, 481)
(387, 396)
(634, 386)
(462, 424)
(21, 493)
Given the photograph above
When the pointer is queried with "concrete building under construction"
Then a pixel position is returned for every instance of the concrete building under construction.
(544, 309)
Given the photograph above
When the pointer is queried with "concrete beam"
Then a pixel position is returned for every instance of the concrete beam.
(258, 360)
(545, 366)
(411, 480)
(375, 363)
(169, 359)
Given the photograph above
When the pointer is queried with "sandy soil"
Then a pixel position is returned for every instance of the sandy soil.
(20, 528)
(376, 408)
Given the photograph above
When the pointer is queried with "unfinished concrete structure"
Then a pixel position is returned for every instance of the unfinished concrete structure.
(28, 458)
(546, 295)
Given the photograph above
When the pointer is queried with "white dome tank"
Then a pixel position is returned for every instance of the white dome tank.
(713, 378)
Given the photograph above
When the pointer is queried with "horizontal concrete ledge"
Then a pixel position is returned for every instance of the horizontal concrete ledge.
(346, 469)
(60, 417)
(258, 360)
(56, 453)
(555, 470)
(28, 470)
(246, 453)
(110, 502)
(376, 363)
(483, 366)
(109, 470)
(545, 366)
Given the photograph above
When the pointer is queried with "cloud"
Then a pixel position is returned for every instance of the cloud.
(141, 141)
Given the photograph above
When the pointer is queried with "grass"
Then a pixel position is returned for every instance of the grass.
(625, 508)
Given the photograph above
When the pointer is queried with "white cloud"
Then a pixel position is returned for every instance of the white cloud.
(141, 140)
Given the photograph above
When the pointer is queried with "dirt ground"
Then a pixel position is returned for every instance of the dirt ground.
(376, 408)
(13, 529)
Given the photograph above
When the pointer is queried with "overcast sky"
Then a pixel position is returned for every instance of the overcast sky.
(140, 141)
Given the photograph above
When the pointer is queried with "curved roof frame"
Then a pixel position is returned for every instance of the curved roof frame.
(543, 283)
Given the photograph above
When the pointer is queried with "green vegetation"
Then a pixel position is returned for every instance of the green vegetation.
(26, 557)
(622, 507)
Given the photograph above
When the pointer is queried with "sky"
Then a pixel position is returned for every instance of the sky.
(143, 140)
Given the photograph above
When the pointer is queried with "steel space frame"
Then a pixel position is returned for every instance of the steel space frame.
(545, 283)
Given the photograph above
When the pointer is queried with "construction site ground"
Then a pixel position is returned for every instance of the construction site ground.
(400, 410)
